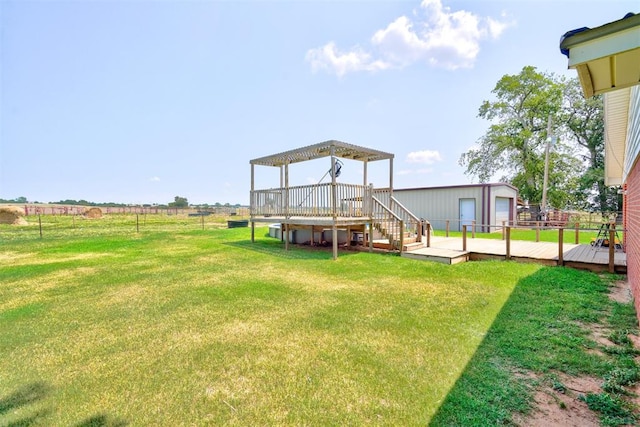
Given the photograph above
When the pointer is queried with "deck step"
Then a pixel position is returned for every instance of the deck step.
(413, 245)
(443, 256)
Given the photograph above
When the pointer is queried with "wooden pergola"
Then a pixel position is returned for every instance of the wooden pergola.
(333, 205)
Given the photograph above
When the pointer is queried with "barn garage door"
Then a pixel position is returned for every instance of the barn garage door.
(502, 210)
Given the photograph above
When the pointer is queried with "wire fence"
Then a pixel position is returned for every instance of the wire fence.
(49, 227)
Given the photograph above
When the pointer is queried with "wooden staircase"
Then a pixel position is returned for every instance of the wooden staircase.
(396, 228)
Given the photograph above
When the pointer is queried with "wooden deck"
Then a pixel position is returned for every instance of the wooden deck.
(449, 250)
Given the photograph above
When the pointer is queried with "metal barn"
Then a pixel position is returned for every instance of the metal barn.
(486, 204)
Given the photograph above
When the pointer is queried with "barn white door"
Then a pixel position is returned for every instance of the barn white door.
(502, 210)
(467, 213)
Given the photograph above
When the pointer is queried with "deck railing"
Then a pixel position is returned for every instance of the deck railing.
(318, 200)
(388, 224)
(412, 224)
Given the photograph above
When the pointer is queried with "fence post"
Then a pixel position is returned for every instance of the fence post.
(447, 229)
(504, 230)
(537, 231)
(137, 223)
(508, 242)
(428, 234)
(612, 247)
(560, 249)
(473, 229)
(40, 225)
(464, 237)
(577, 233)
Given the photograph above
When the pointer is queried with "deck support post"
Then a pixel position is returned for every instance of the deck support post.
(370, 237)
(560, 243)
(253, 232)
(286, 237)
(612, 247)
(428, 234)
(504, 230)
(464, 237)
(473, 229)
(577, 233)
(334, 231)
(537, 231)
(508, 242)
(447, 229)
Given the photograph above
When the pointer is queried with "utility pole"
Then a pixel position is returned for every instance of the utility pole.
(543, 204)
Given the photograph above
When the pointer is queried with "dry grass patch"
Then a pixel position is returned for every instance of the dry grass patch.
(12, 215)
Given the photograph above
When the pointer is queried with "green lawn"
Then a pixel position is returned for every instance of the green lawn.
(545, 235)
(176, 325)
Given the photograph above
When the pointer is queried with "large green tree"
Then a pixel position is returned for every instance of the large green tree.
(583, 122)
(514, 145)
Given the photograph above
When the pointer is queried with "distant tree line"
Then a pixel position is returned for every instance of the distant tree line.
(179, 202)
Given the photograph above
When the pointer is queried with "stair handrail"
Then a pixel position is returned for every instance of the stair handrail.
(384, 207)
(393, 216)
(410, 217)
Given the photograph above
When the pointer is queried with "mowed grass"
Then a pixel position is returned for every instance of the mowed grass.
(175, 325)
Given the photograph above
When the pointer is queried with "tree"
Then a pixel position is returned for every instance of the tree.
(514, 145)
(179, 202)
(583, 120)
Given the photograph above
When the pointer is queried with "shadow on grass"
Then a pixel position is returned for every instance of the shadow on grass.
(102, 420)
(33, 393)
(540, 329)
(25, 396)
(275, 247)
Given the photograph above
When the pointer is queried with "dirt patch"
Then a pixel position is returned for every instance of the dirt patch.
(600, 335)
(557, 403)
(620, 292)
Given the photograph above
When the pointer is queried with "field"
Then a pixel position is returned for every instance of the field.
(170, 321)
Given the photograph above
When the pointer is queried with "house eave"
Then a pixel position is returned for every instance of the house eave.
(607, 57)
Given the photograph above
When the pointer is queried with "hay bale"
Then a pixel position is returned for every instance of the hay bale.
(12, 215)
(93, 213)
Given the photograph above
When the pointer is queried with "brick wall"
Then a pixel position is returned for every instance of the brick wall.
(632, 236)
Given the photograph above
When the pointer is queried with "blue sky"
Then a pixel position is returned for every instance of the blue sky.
(142, 101)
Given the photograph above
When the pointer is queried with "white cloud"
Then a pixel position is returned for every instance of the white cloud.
(438, 36)
(154, 179)
(427, 157)
(329, 58)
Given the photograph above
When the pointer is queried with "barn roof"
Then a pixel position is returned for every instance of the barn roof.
(323, 149)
